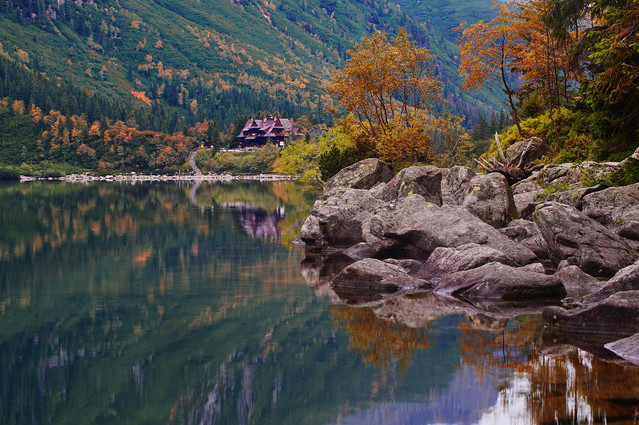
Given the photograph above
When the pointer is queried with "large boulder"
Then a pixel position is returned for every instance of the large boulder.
(611, 205)
(448, 260)
(580, 240)
(366, 279)
(571, 176)
(413, 222)
(527, 233)
(425, 181)
(626, 279)
(527, 194)
(456, 184)
(553, 173)
(489, 197)
(626, 348)
(617, 315)
(497, 281)
(527, 202)
(577, 283)
(364, 174)
(629, 230)
(573, 197)
(531, 184)
(337, 220)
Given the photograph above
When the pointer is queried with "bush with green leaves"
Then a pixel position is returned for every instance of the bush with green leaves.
(8, 174)
(333, 160)
(302, 159)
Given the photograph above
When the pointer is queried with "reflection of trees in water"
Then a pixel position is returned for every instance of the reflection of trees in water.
(379, 341)
(565, 384)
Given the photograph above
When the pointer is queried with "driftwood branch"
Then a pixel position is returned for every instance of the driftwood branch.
(482, 165)
(513, 173)
(501, 152)
(523, 154)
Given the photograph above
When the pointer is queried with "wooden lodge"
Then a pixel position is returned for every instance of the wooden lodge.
(257, 132)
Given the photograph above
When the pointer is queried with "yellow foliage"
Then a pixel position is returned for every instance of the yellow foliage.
(18, 107)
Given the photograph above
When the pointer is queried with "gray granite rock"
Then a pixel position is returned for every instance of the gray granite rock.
(489, 197)
(361, 175)
(496, 281)
(580, 240)
(465, 257)
(425, 181)
(414, 222)
(336, 221)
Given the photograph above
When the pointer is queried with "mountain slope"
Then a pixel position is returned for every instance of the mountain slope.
(212, 59)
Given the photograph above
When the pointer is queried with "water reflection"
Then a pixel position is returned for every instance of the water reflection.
(512, 369)
(255, 220)
(129, 304)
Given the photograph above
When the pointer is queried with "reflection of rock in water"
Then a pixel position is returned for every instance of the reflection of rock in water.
(318, 271)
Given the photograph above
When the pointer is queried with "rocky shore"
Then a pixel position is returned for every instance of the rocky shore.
(468, 243)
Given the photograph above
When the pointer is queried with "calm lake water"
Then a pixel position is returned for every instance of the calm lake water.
(169, 304)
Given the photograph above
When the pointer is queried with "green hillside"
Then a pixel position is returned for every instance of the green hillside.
(205, 59)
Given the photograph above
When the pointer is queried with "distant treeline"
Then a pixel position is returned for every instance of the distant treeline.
(33, 88)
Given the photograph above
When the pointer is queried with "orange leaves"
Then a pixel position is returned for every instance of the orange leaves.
(404, 146)
(517, 43)
(140, 95)
(487, 49)
(391, 88)
(378, 341)
(384, 80)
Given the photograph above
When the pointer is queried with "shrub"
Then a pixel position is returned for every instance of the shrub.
(9, 174)
(333, 160)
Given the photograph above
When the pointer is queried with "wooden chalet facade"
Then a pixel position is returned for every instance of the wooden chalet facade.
(257, 133)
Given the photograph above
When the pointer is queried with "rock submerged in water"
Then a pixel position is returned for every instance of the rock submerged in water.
(614, 317)
(367, 278)
(497, 281)
(626, 348)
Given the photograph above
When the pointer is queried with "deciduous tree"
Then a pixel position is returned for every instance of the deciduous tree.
(487, 51)
(392, 90)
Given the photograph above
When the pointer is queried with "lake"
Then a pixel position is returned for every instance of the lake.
(166, 303)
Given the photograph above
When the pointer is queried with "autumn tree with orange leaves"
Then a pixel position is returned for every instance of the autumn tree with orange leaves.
(391, 89)
(487, 52)
(518, 46)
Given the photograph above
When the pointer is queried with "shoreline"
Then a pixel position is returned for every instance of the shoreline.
(135, 178)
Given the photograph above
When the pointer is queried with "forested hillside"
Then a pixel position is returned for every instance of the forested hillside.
(181, 62)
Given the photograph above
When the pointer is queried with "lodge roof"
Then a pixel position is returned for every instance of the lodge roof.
(269, 127)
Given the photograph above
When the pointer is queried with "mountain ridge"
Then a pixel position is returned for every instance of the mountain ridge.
(218, 60)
